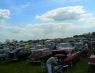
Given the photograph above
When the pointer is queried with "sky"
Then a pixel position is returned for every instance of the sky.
(45, 19)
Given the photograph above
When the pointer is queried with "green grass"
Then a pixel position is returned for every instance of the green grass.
(19, 67)
(25, 67)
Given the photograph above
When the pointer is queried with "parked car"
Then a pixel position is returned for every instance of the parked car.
(91, 60)
(61, 47)
(71, 55)
(37, 46)
(50, 44)
(20, 53)
(13, 54)
(39, 54)
(4, 53)
(78, 46)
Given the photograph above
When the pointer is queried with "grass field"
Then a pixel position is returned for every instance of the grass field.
(25, 67)
(19, 67)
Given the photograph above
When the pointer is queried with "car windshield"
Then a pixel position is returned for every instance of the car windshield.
(64, 45)
(37, 47)
(36, 53)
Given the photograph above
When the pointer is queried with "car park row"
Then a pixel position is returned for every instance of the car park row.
(69, 52)
(40, 51)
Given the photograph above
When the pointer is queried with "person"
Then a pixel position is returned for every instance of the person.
(61, 58)
(85, 49)
(51, 62)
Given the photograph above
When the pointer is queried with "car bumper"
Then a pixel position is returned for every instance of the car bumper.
(90, 63)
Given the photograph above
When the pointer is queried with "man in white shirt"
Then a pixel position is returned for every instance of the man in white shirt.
(52, 61)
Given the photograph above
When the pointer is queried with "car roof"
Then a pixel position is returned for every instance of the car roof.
(40, 49)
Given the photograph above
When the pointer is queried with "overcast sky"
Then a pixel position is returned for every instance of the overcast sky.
(41, 19)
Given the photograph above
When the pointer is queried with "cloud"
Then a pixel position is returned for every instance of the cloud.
(43, 31)
(37, 31)
(78, 21)
(4, 14)
(64, 14)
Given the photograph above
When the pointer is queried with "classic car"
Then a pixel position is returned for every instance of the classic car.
(61, 47)
(20, 53)
(71, 55)
(13, 54)
(39, 54)
(91, 60)
(37, 46)
(4, 53)
(78, 46)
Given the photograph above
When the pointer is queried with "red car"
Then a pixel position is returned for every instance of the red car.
(39, 54)
(71, 56)
(91, 60)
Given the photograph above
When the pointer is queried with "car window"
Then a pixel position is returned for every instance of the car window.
(39, 47)
(36, 53)
(63, 45)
